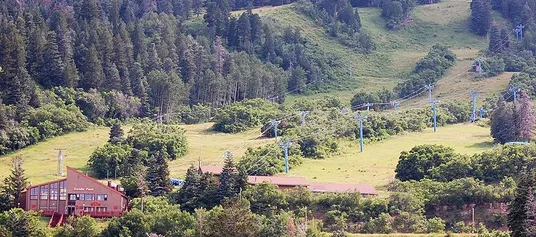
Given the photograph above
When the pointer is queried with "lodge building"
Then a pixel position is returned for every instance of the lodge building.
(290, 182)
(77, 194)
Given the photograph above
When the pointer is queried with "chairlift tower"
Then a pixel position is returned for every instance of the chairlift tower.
(473, 94)
(286, 143)
(430, 87)
(360, 118)
(275, 124)
(434, 106)
(61, 163)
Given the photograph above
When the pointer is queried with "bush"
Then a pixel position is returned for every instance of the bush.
(418, 162)
(153, 138)
(55, 120)
(269, 160)
(241, 116)
(105, 162)
(196, 114)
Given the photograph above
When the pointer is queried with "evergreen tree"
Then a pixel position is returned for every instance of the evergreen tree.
(297, 81)
(518, 209)
(92, 74)
(229, 187)
(116, 133)
(480, 17)
(16, 182)
(529, 224)
(113, 79)
(153, 62)
(53, 68)
(190, 193)
(158, 174)
(209, 190)
(244, 33)
(139, 87)
(495, 40)
(505, 37)
(526, 120)
(502, 123)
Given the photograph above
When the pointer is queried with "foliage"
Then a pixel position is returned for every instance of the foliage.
(154, 138)
(81, 226)
(244, 115)
(420, 160)
(105, 162)
(265, 199)
(480, 17)
(269, 160)
(158, 174)
(17, 222)
(513, 122)
(521, 211)
(428, 70)
(116, 133)
(53, 121)
(14, 184)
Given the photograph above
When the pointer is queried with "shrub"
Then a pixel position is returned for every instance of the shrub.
(417, 163)
(241, 116)
(153, 138)
(55, 120)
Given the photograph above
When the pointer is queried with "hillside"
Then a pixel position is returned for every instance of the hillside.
(397, 51)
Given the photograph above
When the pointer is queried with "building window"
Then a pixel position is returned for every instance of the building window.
(54, 191)
(34, 193)
(44, 192)
(72, 197)
(89, 197)
(101, 209)
(80, 197)
(89, 209)
(63, 191)
(102, 197)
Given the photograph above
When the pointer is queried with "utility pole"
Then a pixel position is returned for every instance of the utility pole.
(275, 123)
(519, 30)
(286, 143)
(360, 118)
(430, 87)
(479, 66)
(514, 89)
(395, 104)
(368, 106)
(303, 114)
(60, 161)
(434, 104)
(473, 94)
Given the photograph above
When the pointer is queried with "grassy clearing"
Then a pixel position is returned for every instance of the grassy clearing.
(209, 146)
(377, 163)
(41, 159)
(397, 51)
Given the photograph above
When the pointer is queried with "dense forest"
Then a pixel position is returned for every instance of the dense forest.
(65, 61)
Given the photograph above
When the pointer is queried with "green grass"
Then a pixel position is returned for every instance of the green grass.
(397, 51)
(377, 163)
(40, 160)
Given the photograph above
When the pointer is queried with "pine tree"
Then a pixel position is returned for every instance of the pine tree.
(209, 190)
(480, 17)
(502, 123)
(92, 74)
(190, 192)
(297, 80)
(139, 87)
(153, 62)
(16, 182)
(158, 174)
(244, 33)
(116, 133)
(518, 209)
(113, 79)
(495, 40)
(229, 188)
(529, 224)
(526, 120)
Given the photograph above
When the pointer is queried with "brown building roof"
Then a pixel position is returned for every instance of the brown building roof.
(216, 170)
(281, 181)
(364, 189)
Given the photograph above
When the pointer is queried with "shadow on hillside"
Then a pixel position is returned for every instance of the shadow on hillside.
(482, 145)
